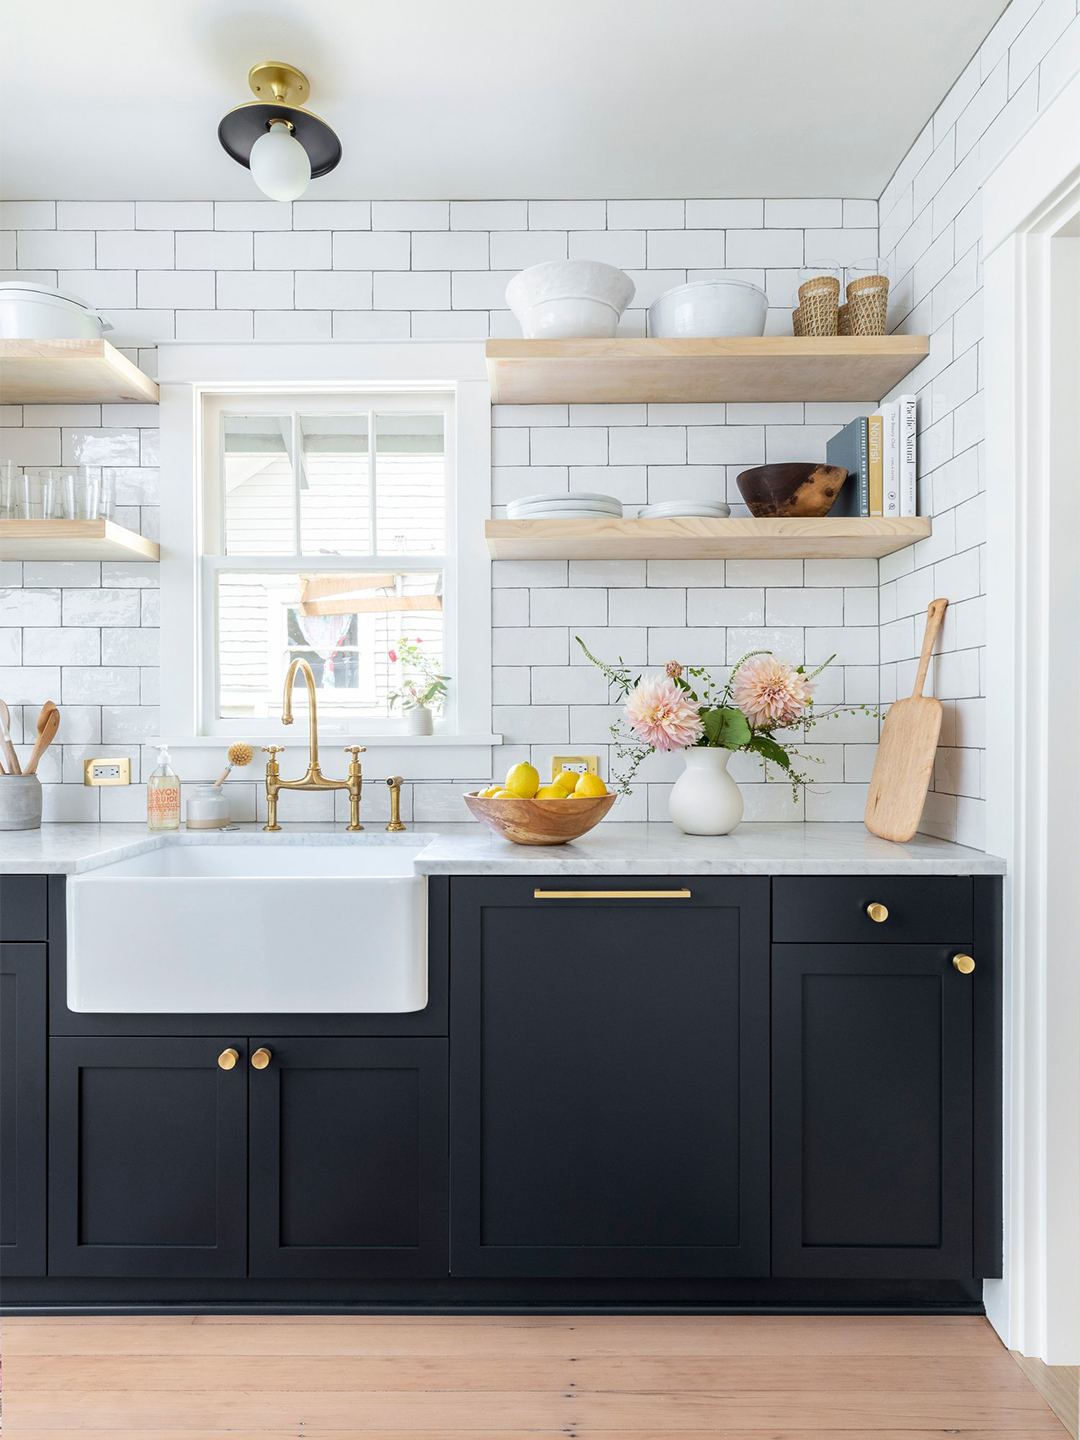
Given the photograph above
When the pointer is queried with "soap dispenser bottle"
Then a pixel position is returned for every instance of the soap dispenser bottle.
(163, 795)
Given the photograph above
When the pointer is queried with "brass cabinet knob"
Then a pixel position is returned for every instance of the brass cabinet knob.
(261, 1058)
(228, 1058)
(878, 913)
(964, 963)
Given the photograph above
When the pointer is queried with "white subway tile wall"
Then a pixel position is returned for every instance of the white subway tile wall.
(85, 634)
(931, 225)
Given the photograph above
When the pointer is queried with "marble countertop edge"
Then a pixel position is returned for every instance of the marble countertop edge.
(843, 848)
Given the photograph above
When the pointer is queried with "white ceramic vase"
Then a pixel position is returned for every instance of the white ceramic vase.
(705, 800)
(418, 721)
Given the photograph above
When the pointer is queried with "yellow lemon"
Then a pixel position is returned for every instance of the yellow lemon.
(523, 780)
(503, 795)
(491, 790)
(567, 780)
(551, 792)
(589, 786)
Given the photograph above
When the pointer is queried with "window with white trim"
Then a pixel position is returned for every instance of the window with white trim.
(326, 535)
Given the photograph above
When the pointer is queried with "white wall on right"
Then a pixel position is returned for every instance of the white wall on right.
(931, 229)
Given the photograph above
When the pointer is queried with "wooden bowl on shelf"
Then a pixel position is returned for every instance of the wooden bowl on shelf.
(540, 822)
(792, 489)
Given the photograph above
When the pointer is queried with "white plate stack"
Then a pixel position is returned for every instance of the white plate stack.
(683, 509)
(579, 506)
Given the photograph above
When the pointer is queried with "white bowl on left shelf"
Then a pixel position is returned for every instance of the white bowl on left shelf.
(41, 312)
(569, 300)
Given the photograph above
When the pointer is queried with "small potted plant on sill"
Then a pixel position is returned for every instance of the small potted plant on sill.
(423, 689)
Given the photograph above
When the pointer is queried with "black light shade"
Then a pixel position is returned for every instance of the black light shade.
(241, 127)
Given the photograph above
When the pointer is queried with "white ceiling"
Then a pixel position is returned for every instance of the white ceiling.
(105, 99)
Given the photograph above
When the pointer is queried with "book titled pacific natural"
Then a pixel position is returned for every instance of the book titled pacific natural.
(878, 452)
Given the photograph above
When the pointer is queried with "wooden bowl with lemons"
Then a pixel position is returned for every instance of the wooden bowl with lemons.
(549, 815)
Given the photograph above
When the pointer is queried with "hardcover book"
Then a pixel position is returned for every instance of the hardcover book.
(849, 449)
(909, 504)
(874, 445)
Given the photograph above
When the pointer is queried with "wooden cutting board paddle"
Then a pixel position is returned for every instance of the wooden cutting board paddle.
(905, 753)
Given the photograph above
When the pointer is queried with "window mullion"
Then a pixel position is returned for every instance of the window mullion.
(371, 484)
(296, 469)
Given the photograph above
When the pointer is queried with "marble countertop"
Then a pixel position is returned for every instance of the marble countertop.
(469, 849)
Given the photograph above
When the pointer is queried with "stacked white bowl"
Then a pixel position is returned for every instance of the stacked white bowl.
(578, 506)
(681, 509)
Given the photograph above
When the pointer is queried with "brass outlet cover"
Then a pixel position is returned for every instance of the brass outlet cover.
(575, 762)
(107, 771)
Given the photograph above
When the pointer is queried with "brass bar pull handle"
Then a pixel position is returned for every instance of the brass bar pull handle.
(261, 1058)
(611, 894)
(228, 1058)
(964, 963)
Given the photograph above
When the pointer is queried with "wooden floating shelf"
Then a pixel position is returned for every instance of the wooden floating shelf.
(765, 367)
(57, 372)
(697, 539)
(73, 540)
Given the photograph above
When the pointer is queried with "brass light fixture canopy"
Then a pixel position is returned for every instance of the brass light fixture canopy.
(281, 90)
(273, 80)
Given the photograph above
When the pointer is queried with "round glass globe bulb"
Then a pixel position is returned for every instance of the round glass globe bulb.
(279, 164)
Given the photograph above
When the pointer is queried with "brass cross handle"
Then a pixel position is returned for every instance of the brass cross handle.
(272, 749)
(355, 750)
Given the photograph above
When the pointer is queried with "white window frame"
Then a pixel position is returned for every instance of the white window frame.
(214, 559)
(190, 373)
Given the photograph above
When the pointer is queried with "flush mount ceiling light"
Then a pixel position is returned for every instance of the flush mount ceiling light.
(283, 145)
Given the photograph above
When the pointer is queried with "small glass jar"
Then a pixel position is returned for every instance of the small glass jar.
(208, 808)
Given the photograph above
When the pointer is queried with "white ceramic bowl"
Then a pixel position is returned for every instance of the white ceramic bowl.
(707, 309)
(569, 299)
(41, 312)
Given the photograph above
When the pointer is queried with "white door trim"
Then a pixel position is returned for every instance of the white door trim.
(1031, 644)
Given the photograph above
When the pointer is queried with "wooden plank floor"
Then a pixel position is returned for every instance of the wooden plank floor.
(542, 1377)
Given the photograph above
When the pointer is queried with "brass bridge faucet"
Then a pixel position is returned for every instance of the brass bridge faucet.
(313, 778)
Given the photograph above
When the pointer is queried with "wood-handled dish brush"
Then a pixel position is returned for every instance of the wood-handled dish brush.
(240, 754)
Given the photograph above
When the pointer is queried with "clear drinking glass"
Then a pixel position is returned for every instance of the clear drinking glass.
(79, 488)
(8, 475)
(871, 267)
(106, 495)
(37, 495)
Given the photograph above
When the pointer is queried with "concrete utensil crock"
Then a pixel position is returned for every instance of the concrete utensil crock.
(20, 802)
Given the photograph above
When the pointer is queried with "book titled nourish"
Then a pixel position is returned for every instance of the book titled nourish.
(849, 448)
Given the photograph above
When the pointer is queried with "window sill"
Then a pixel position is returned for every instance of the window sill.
(328, 740)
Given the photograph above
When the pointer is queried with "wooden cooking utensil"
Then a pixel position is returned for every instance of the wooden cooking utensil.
(47, 726)
(905, 754)
(10, 757)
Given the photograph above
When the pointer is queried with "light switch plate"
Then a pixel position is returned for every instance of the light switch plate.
(107, 772)
(580, 764)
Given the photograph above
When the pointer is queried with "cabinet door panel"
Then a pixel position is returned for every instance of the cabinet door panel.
(148, 1158)
(349, 1158)
(872, 1112)
(610, 1079)
(23, 1045)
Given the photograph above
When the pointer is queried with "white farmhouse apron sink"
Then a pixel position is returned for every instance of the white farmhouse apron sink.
(256, 928)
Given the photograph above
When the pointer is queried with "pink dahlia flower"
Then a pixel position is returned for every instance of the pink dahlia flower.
(662, 716)
(770, 692)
